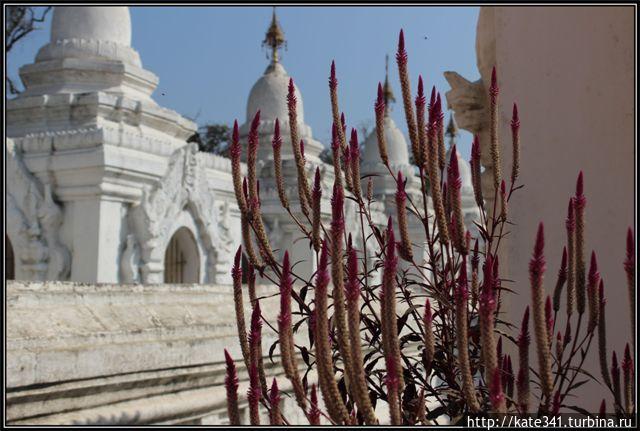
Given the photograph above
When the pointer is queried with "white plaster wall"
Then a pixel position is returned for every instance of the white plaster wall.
(571, 71)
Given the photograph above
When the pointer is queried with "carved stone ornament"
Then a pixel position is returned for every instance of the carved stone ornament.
(33, 223)
(184, 187)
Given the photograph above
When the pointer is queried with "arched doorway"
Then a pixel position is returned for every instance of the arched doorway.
(181, 259)
(9, 260)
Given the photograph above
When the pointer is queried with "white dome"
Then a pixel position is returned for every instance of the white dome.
(397, 149)
(269, 95)
(104, 23)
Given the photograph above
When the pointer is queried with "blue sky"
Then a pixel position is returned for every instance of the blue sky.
(208, 58)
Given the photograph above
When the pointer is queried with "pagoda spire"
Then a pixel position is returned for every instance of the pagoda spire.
(452, 131)
(388, 92)
(274, 38)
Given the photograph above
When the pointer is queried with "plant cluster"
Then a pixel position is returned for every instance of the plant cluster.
(427, 339)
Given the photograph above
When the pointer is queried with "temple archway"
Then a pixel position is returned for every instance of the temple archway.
(181, 258)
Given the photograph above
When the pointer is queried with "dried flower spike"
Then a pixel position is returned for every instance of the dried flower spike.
(455, 183)
(536, 273)
(515, 139)
(380, 110)
(236, 171)
(304, 193)
(420, 123)
(275, 418)
(581, 286)
(615, 380)
(231, 386)
(405, 85)
(390, 341)
(592, 292)
(523, 368)
(285, 333)
(406, 251)
(628, 379)
(276, 143)
(495, 145)
(354, 151)
(629, 268)
(326, 377)
(462, 338)
(476, 179)
(316, 200)
(562, 278)
(602, 336)
(571, 249)
(236, 276)
(314, 412)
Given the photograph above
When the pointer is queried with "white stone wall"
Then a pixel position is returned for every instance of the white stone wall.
(78, 352)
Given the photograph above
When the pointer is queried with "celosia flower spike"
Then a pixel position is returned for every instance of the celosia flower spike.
(304, 194)
(314, 411)
(475, 171)
(602, 336)
(580, 203)
(462, 338)
(439, 119)
(275, 418)
(355, 163)
(503, 200)
(420, 109)
(548, 316)
(455, 183)
(390, 341)
(522, 384)
(495, 145)
(380, 110)
(629, 268)
(285, 333)
(429, 340)
(316, 200)
(231, 386)
(276, 143)
(434, 180)
(254, 393)
(326, 377)
(406, 251)
(515, 142)
(571, 250)
(236, 171)
(536, 273)
(498, 404)
(592, 291)
(627, 371)
(358, 382)
(486, 315)
(405, 85)
(615, 381)
(340, 126)
(562, 278)
(236, 276)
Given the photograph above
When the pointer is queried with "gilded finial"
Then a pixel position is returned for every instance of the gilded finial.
(274, 37)
(388, 93)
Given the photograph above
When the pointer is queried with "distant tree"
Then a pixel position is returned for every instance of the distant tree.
(19, 22)
(213, 138)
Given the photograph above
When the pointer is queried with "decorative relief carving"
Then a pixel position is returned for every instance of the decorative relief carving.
(183, 188)
(33, 222)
